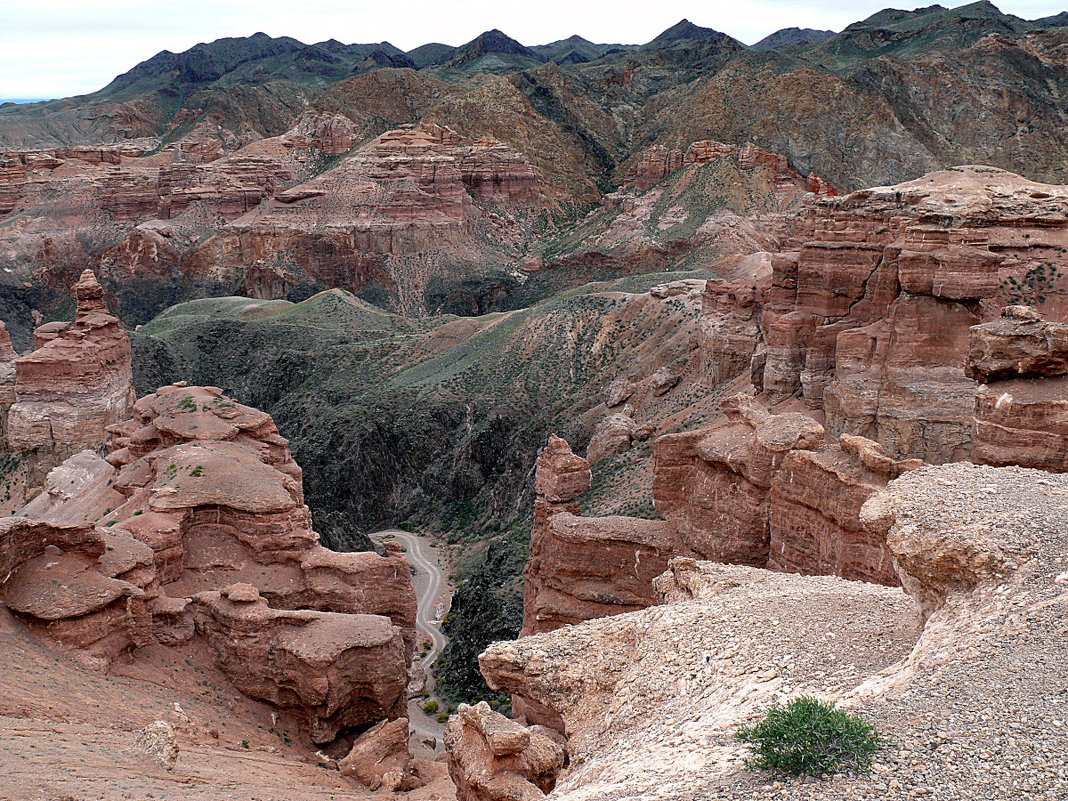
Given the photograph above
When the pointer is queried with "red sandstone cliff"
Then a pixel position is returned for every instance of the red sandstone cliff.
(867, 318)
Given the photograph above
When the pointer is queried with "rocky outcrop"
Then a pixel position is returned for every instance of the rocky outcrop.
(410, 191)
(1021, 404)
(768, 491)
(584, 567)
(76, 383)
(657, 162)
(866, 317)
(645, 696)
(650, 698)
(333, 671)
(492, 758)
(206, 538)
(84, 591)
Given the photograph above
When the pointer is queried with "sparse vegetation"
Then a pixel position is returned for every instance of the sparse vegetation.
(1037, 284)
(807, 736)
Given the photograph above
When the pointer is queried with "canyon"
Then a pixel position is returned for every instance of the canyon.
(714, 375)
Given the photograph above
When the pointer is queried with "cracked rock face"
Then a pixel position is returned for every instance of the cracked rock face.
(769, 491)
(1021, 404)
(194, 528)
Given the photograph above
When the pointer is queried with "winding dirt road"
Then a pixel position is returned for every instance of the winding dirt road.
(428, 583)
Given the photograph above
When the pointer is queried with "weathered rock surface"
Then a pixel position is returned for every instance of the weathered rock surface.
(650, 698)
(75, 384)
(380, 758)
(1021, 404)
(582, 567)
(332, 670)
(207, 540)
(79, 588)
(492, 758)
(613, 435)
(158, 741)
(411, 191)
(866, 315)
(769, 491)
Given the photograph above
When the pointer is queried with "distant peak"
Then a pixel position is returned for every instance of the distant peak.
(684, 30)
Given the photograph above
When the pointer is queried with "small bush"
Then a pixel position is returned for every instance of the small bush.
(430, 707)
(809, 736)
(443, 717)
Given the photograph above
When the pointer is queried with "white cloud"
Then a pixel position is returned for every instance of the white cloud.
(55, 48)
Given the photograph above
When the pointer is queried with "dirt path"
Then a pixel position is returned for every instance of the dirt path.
(429, 583)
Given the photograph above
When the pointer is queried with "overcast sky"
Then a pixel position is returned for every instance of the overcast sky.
(57, 48)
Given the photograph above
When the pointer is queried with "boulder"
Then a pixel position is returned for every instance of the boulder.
(158, 741)
(612, 436)
(380, 758)
(492, 758)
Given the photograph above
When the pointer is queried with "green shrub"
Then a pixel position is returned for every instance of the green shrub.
(430, 707)
(443, 717)
(809, 736)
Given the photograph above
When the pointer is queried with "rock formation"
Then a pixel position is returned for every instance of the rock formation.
(335, 671)
(76, 383)
(158, 741)
(867, 317)
(492, 758)
(380, 758)
(85, 590)
(1021, 404)
(650, 698)
(584, 567)
(410, 191)
(768, 490)
(201, 535)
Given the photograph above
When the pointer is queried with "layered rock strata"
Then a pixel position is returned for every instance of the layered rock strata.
(1021, 404)
(584, 567)
(83, 589)
(866, 317)
(769, 491)
(76, 383)
(492, 758)
(410, 191)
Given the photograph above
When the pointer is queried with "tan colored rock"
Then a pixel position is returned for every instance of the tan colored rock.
(159, 741)
(612, 436)
(493, 758)
(380, 758)
(618, 392)
(648, 698)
